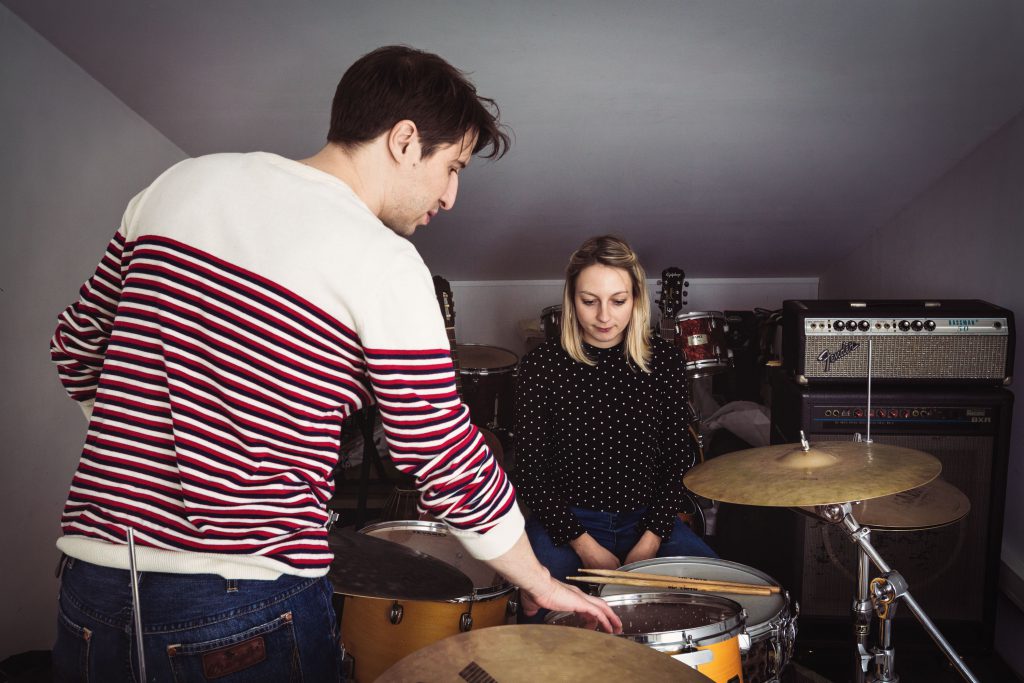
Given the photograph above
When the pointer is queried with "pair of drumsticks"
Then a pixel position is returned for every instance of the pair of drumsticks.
(615, 576)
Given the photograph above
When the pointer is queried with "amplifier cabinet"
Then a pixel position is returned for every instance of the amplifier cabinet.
(958, 341)
(952, 570)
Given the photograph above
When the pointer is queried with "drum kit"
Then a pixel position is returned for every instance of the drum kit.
(418, 608)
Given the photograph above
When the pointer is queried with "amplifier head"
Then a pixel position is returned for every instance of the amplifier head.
(943, 341)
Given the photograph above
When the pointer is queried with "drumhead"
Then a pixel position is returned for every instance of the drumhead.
(432, 538)
(669, 620)
(480, 359)
(761, 609)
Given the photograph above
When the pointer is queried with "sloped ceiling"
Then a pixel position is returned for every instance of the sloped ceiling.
(741, 138)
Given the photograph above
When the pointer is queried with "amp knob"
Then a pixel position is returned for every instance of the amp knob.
(917, 325)
(929, 325)
(864, 325)
(851, 325)
(839, 325)
(904, 325)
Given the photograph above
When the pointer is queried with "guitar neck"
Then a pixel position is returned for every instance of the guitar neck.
(455, 359)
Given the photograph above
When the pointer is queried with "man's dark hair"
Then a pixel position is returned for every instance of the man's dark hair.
(396, 82)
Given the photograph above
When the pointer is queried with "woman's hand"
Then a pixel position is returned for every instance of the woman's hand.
(593, 554)
(645, 548)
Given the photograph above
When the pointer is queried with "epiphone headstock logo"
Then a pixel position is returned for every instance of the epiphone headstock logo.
(829, 358)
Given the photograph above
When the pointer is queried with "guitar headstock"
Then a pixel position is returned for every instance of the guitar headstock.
(445, 300)
(673, 292)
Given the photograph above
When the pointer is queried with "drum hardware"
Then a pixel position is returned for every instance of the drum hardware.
(885, 593)
(504, 653)
(136, 607)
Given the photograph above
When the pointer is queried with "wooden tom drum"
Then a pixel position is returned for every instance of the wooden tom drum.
(377, 632)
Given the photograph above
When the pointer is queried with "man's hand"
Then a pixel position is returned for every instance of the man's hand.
(645, 548)
(558, 596)
(537, 589)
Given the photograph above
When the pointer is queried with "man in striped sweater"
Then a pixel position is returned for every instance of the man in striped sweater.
(245, 306)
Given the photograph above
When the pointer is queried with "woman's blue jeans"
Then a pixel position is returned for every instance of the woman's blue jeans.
(196, 627)
(617, 532)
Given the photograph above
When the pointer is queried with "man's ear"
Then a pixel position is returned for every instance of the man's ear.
(404, 142)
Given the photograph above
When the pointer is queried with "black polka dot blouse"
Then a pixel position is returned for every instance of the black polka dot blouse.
(607, 437)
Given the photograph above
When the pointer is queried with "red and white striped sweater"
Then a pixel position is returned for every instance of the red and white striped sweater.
(245, 307)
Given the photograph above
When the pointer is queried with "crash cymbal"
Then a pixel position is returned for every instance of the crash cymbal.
(503, 654)
(935, 504)
(369, 567)
(827, 472)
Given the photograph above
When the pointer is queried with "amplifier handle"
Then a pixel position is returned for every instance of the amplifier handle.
(894, 304)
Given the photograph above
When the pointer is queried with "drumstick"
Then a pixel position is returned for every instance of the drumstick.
(668, 577)
(678, 583)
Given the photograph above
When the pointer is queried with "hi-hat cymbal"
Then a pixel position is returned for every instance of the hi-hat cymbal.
(935, 504)
(828, 472)
(502, 654)
(369, 567)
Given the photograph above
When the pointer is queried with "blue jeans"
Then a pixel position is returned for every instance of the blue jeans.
(617, 532)
(195, 627)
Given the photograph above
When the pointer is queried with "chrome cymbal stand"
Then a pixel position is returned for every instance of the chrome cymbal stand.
(886, 592)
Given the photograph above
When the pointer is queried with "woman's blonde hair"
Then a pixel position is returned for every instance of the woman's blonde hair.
(614, 252)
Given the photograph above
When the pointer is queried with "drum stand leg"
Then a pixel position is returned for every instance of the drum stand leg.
(886, 591)
(862, 614)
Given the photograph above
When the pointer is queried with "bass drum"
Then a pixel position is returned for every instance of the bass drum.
(771, 620)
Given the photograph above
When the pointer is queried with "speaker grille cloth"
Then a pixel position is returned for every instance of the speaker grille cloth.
(911, 357)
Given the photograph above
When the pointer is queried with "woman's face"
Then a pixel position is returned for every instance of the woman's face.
(604, 304)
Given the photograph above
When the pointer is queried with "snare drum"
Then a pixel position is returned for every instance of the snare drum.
(377, 632)
(770, 627)
(488, 384)
(701, 338)
(551, 320)
(700, 630)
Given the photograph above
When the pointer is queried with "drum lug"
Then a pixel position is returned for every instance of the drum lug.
(465, 622)
(512, 608)
(396, 613)
(744, 642)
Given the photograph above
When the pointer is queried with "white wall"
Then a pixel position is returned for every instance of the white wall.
(71, 156)
(962, 238)
(488, 312)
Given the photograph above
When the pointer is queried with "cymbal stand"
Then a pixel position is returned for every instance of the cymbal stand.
(886, 592)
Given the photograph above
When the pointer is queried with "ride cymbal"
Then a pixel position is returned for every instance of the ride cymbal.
(369, 567)
(933, 505)
(501, 654)
(827, 472)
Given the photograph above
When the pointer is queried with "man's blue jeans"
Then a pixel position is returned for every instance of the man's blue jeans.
(196, 627)
(617, 532)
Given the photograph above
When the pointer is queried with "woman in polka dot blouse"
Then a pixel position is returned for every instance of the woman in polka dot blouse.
(601, 432)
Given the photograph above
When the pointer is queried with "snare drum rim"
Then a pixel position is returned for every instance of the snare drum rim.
(466, 369)
(439, 529)
(697, 636)
(692, 315)
(551, 309)
(680, 638)
(758, 630)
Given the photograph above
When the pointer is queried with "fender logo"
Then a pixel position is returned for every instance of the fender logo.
(829, 358)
